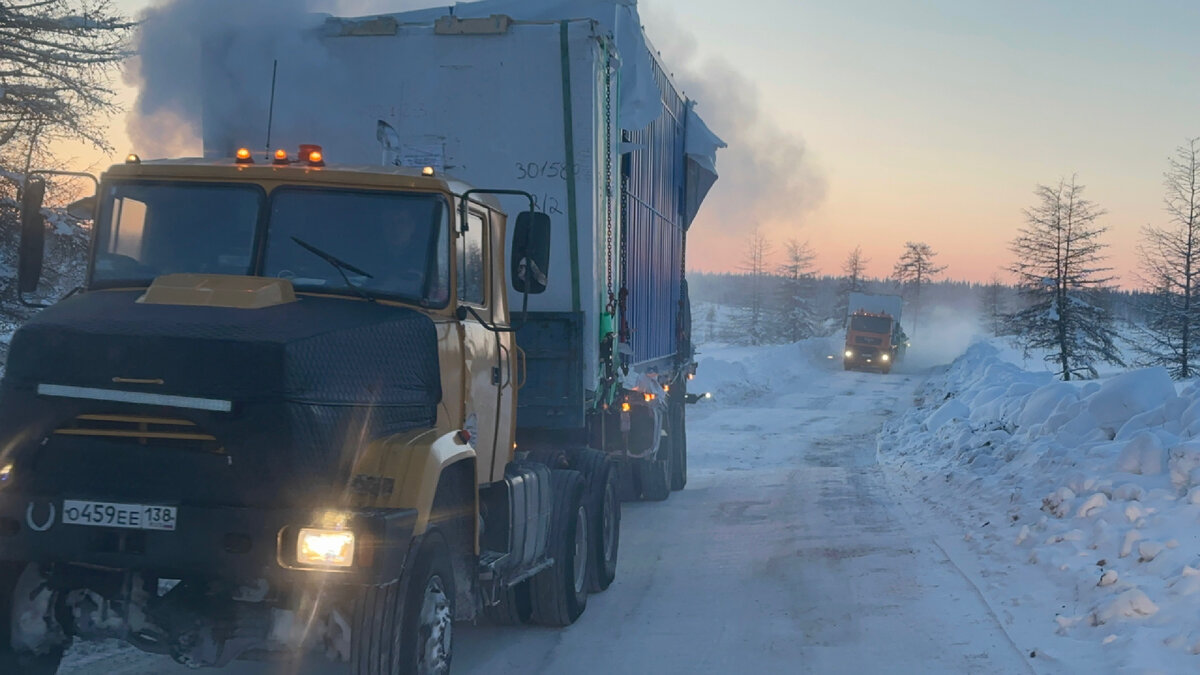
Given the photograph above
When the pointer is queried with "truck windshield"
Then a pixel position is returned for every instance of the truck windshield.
(149, 229)
(871, 324)
(393, 245)
(397, 242)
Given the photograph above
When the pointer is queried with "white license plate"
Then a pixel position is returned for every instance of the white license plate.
(127, 516)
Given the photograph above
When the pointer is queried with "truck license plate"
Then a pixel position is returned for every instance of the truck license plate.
(127, 516)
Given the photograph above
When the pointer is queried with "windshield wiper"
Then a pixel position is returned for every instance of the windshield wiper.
(340, 265)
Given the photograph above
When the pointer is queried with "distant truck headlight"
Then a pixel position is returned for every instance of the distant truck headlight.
(332, 548)
(849, 354)
(885, 357)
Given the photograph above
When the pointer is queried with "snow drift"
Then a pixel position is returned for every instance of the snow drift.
(1096, 485)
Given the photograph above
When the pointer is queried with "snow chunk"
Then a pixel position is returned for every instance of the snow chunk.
(1131, 538)
(1149, 550)
(1108, 578)
(1185, 459)
(1094, 503)
(1131, 604)
(1058, 503)
(1129, 394)
(1129, 492)
(950, 410)
(1143, 455)
(1043, 402)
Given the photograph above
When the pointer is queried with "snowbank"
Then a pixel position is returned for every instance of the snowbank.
(1095, 485)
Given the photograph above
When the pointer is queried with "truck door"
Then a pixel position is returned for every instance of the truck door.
(486, 367)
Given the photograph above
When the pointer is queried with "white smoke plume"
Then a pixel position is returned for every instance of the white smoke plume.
(766, 174)
(249, 35)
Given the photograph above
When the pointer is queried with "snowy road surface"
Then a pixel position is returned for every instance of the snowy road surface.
(787, 552)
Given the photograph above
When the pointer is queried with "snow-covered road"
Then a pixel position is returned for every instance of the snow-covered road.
(790, 551)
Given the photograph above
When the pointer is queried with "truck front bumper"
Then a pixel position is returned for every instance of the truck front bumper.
(229, 542)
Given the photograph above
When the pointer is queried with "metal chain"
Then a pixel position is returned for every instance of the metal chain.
(624, 333)
(608, 186)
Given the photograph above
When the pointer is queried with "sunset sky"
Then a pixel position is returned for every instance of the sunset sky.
(874, 122)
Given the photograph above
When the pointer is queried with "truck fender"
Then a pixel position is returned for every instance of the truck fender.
(423, 466)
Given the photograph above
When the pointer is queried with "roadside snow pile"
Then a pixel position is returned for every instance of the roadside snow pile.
(1096, 483)
(738, 375)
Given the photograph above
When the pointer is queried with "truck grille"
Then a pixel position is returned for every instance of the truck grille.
(157, 431)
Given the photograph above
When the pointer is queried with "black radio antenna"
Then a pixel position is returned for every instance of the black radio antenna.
(271, 109)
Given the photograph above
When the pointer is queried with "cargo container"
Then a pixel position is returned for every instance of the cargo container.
(580, 112)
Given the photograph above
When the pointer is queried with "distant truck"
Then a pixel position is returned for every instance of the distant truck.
(874, 338)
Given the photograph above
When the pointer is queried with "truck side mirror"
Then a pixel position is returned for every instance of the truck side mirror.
(33, 236)
(530, 260)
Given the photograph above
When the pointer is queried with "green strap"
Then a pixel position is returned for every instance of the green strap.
(569, 139)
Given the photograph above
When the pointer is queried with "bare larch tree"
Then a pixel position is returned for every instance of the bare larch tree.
(1059, 269)
(794, 314)
(1170, 269)
(912, 271)
(752, 325)
(56, 59)
(854, 271)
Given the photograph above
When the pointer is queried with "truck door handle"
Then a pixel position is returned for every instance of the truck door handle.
(523, 362)
(506, 358)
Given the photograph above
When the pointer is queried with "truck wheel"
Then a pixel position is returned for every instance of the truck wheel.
(678, 439)
(514, 607)
(655, 474)
(407, 627)
(12, 661)
(603, 502)
(559, 593)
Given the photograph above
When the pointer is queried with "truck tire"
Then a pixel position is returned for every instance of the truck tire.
(407, 627)
(603, 501)
(12, 661)
(678, 438)
(514, 608)
(655, 474)
(559, 593)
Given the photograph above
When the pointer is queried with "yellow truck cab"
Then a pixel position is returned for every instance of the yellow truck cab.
(280, 415)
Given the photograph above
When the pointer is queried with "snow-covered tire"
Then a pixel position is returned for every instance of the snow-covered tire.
(603, 501)
(12, 661)
(407, 627)
(655, 474)
(559, 593)
(514, 608)
(677, 412)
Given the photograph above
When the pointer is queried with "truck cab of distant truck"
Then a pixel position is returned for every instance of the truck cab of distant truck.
(873, 341)
(280, 415)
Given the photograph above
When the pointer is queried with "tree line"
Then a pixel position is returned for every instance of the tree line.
(1062, 303)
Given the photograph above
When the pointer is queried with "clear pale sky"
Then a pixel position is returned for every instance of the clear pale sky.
(874, 122)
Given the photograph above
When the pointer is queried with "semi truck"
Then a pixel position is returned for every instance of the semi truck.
(874, 338)
(309, 401)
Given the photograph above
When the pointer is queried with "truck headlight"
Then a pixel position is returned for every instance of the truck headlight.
(849, 354)
(333, 548)
(885, 357)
